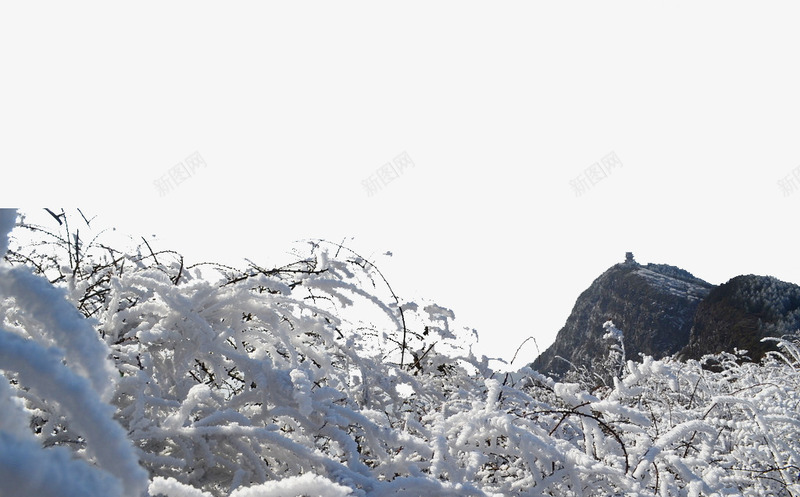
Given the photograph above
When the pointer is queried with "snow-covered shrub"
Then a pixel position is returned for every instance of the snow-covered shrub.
(56, 427)
(615, 362)
(315, 379)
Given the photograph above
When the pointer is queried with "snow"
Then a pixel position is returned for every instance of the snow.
(44, 375)
(49, 315)
(26, 469)
(674, 286)
(307, 484)
(277, 386)
(170, 487)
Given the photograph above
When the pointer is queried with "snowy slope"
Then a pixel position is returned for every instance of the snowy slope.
(675, 281)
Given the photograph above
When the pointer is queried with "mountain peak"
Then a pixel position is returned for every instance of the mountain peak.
(664, 310)
(653, 305)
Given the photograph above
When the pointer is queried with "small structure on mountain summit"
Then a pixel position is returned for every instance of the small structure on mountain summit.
(629, 258)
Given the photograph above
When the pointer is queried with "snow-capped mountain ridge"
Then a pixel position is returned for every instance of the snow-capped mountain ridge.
(665, 310)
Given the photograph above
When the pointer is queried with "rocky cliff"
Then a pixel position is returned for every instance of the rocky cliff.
(654, 306)
(663, 310)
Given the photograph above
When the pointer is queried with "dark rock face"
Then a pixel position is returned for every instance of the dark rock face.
(740, 313)
(653, 305)
(663, 311)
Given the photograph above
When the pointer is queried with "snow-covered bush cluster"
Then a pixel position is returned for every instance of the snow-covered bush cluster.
(131, 375)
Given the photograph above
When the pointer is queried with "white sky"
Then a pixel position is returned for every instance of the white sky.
(293, 105)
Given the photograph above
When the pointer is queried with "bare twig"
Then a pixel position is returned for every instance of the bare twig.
(77, 252)
(394, 296)
(84, 218)
(180, 271)
(566, 413)
(56, 216)
(520, 347)
(151, 251)
(420, 358)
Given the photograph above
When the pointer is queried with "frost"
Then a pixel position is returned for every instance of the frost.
(50, 316)
(302, 391)
(78, 395)
(313, 379)
(612, 332)
(26, 469)
(405, 390)
(322, 260)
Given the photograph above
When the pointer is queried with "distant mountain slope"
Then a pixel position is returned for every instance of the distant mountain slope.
(664, 310)
(653, 305)
(741, 312)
